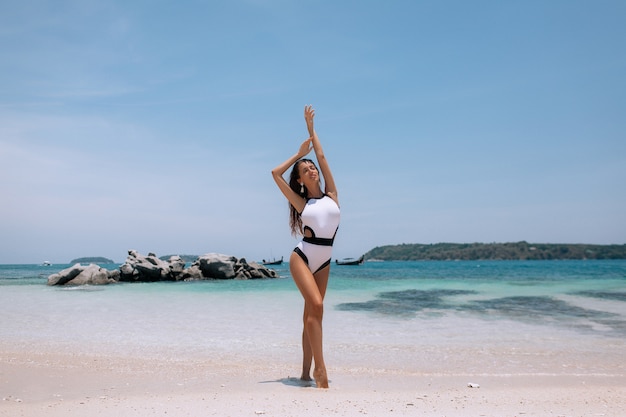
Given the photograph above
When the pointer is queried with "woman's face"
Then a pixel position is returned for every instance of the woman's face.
(308, 173)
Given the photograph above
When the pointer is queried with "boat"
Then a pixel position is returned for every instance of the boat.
(273, 262)
(350, 261)
(46, 263)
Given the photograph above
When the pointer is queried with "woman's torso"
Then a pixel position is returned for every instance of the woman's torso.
(320, 217)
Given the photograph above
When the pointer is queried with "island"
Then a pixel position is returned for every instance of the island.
(92, 260)
(494, 251)
(185, 258)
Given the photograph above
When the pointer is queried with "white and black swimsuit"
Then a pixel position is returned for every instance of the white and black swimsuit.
(320, 217)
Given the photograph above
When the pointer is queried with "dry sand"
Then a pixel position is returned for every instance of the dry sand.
(39, 384)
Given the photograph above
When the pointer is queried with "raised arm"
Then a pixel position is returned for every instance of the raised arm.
(277, 173)
(329, 182)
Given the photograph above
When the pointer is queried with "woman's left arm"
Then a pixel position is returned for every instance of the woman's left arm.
(329, 182)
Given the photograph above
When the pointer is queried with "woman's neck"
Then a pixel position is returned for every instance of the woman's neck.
(315, 193)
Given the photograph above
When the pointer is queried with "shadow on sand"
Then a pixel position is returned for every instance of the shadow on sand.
(292, 382)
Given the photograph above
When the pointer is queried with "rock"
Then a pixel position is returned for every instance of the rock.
(216, 266)
(260, 271)
(83, 275)
(115, 275)
(193, 273)
(177, 265)
(219, 266)
(139, 268)
(68, 274)
(128, 269)
(92, 275)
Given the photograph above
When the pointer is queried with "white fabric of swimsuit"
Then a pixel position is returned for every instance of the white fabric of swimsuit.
(320, 217)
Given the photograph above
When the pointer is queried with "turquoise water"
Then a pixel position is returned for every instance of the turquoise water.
(412, 286)
(418, 310)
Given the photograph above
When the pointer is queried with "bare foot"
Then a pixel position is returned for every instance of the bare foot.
(306, 377)
(321, 379)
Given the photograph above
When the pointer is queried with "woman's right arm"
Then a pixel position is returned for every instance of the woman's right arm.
(277, 173)
(329, 182)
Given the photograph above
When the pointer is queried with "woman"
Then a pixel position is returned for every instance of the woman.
(314, 213)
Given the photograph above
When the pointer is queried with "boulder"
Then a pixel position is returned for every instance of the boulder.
(216, 266)
(193, 273)
(66, 275)
(256, 270)
(140, 268)
(78, 274)
(219, 266)
(177, 265)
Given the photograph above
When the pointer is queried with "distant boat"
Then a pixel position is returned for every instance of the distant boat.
(350, 261)
(46, 263)
(273, 262)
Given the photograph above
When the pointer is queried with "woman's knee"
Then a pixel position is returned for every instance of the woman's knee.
(315, 310)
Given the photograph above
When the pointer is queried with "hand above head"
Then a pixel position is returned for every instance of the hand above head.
(309, 114)
(305, 148)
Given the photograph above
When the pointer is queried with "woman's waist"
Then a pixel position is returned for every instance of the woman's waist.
(319, 241)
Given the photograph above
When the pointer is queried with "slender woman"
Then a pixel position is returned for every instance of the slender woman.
(314, 214)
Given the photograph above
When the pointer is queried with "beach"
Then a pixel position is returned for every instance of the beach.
(417, 345)
(38, 384)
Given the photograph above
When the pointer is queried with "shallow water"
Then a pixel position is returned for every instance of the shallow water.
(407, 316)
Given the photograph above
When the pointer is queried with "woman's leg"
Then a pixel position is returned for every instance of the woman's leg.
(321, 279)
(307, 352)
(313, 289)
(319, 373)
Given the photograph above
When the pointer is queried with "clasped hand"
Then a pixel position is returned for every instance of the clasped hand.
(307, 145)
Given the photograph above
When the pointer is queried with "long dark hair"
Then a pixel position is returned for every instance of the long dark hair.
(295, 222)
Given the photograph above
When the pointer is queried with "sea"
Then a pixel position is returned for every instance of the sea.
(430, 317)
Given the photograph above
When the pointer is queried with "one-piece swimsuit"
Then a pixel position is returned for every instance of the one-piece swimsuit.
(320, 220)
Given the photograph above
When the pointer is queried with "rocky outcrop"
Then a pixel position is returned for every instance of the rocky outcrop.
(218, 266)
(78, 274)
(139, 268)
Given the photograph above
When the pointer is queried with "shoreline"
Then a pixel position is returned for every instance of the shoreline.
(398, 340)
(40, 384)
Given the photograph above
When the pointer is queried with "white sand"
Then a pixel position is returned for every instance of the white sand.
(39, 384)
(142, 351)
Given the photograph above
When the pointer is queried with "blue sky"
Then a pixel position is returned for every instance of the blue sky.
(153, 125)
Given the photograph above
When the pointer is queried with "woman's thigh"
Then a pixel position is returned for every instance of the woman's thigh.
(306, 282)
(321, 279)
